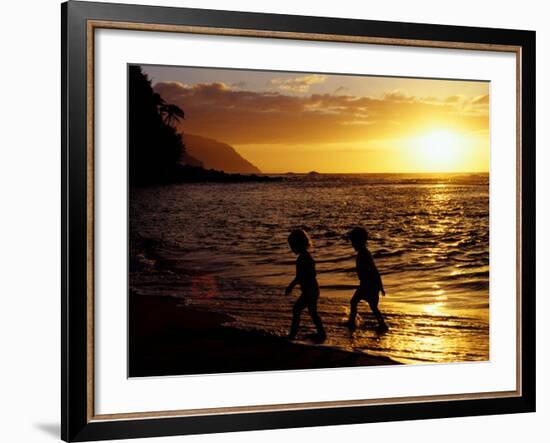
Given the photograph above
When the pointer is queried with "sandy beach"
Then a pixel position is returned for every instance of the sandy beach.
(168, 338)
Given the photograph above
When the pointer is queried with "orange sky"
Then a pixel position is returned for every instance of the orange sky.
(299, 122)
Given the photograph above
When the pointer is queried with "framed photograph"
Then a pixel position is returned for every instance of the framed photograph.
(277, 221)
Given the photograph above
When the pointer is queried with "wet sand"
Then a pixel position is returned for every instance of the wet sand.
(168, 338)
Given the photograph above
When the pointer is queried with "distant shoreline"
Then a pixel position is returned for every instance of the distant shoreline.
(374, 173)
(196, 174)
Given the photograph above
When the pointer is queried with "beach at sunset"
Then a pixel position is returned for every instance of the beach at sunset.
(175, 339)
(259, 154)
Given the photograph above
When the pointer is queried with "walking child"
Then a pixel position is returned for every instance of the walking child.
(370, 282)
(306, 277)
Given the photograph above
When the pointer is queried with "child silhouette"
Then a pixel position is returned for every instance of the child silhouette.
(370, 282)
(300, 243)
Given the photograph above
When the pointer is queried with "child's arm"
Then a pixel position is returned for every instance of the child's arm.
(378, 276)
(305, 270)
(291, 285)
(296, 279)
(381, 285)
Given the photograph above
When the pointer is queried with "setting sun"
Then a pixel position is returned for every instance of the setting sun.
(439, 148)
(447, 150)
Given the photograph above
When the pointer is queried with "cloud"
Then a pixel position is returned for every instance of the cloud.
(297, 84)
(238, 116)
(239, 85)
(481, 100)
(341, 90)
(398, 96)
(454, 99)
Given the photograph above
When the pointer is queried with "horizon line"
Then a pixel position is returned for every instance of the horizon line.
(385, 172)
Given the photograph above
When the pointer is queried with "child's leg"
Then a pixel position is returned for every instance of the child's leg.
(296, 312)
(373, 299)
(312, 308)
(353, 306)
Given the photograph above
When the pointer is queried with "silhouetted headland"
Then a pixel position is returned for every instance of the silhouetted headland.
(213, 154)
(156, 147)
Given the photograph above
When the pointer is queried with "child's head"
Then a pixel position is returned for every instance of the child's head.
(299, 241)
(358, 238)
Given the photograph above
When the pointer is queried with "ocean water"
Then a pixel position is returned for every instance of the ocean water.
(223, 247)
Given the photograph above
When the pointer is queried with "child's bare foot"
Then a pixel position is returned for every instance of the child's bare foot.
(319, 337)
(350, 325)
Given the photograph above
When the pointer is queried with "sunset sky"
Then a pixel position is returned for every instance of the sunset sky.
(300, 122)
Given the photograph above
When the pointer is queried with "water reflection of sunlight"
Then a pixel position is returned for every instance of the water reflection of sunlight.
(435, 343)
(438, 198)
(436, 308)
(428, 339)
(440, 295)
(439, 193)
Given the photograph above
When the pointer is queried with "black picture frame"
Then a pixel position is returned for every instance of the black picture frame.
(77, 423)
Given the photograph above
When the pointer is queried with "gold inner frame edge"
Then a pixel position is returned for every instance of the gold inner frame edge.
(91, 26)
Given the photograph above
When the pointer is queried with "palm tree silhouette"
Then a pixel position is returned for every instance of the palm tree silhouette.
(155, 145)
(171, 114)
